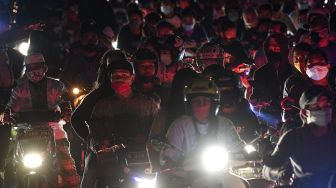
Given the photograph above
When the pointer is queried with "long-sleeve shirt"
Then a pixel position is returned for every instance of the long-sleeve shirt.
(182, 135)
(313, 158)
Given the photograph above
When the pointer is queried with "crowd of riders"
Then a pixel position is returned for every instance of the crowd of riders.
(181, 71)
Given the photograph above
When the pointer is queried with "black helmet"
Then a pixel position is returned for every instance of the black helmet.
(202, 87)
(89, 26)
(222, 77)
(174, 44)
(210, 51)
(228, 82)
(120, 64)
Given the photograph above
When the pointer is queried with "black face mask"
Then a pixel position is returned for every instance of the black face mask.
(315, 37)
(134, 23)
(90, 47)
(274, 57)
(276, 6)
(145, 79)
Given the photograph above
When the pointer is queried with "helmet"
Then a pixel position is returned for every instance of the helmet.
(120, 64)
(228, 83)
(174, 44)
(141, 55)
(34, 58)
(89, 26)
(222, 77)
(210, 51)
(202, 87)
(145, 54)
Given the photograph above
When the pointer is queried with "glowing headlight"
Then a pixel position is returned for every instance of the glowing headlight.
(215, 158)
(145, 183)
(32, 160)
(75, 91)
(23, 48)
(249, 149)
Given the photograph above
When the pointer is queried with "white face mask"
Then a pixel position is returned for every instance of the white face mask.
(320, 118)
(317, 72)
(166, 10)
(188, 27)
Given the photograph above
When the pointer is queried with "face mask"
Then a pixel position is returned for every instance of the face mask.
(36, 75)
(276, 6)
(188, 27)
(90, 47)
(166, 10)
(303, 6)
(251, 25)
(134, 23)
(320, 118)
(317, 72)
(120, 87)
(274, 57)
(314, 36)
(201, 113)
(166, 59)
(233, 16)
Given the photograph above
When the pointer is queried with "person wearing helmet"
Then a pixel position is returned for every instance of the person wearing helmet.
(146, 81)
(129, 36)
(208, 54)
(201, 124)
(39, 99)
(171, 54)
(232, 104)
(310, 147)
(101, 89)
(82, 68)
(123, 114)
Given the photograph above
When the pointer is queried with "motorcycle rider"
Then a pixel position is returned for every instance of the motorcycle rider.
(36, 94)
(146, 80)
(171, 53)
(232, 104)
(202, 124)
(124, 115)
(208, 54)
(310, 147)
(316, 71)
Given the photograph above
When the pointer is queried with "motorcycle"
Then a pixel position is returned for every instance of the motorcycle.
(126, 166)
(34, 156)
(209, 166)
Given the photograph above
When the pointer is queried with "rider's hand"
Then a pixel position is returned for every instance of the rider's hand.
(241, 68)
(245, 81)
(5, 118)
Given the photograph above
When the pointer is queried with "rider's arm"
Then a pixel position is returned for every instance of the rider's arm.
(175, 137)
(83, 113)
(228, 135)
(284, 149)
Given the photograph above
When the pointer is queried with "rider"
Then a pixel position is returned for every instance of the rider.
(232, 104)
(124, 115)
(202, 124)
(310, 147)
(146, 80)
(171, 53)
(208, 54)
(36, 94)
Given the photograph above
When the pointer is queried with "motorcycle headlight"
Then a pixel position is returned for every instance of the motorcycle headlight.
(215, 158)
(75, 91)
(32, 160)
(145, 182)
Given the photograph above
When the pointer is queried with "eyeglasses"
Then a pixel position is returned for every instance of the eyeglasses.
(199, 101)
